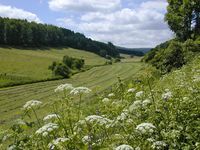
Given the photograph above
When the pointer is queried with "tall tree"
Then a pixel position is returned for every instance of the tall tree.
(183, 17)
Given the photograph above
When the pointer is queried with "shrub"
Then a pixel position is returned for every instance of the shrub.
(65, 68)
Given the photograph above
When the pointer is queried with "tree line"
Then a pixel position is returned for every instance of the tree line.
(16, 32)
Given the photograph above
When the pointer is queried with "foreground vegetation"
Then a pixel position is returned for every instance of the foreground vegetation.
(157, 109)
(18, 66)
(148, 112)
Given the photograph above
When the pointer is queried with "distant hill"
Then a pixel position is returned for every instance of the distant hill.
(16, 32)
(133, 51)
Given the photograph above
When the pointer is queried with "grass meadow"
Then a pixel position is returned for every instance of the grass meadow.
(97, 78)
(26, 65)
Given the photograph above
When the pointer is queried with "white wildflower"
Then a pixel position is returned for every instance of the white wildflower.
(106, 100)
(124, 147)
(46, 129)
(86, 139)
(94, 119)
(129, 121)
(131, 90)
(145, 128)
(51, 116)
(32, 104)
(167, 95)
(196, 78)
(136, 105)
(139, 94)
(64, 87)
(80, 90)
(111, 95)
(123, 116)
(20, 122)
(151, 140)
(146, 102)
(59, 140)
(159, 145)
(12, 147)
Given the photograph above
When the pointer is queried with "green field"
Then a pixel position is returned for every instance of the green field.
(19, 65)
(97, 78)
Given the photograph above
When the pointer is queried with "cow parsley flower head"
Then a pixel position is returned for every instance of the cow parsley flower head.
(145, 128)
(86, 139)
(51, 116)
(46, 129)
(124, 147)
(131, 90)
(159, 145)
(64, 87)
(167, 95)
(57, 142)
(146, 102)
(12, 147)
(32, 104)
(80, 90)
(139, 94)
(111, 95)
(94, 119)
(105, 100)
(136, 105)
(123, 116)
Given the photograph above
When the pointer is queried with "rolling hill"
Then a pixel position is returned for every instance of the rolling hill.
(28, 65)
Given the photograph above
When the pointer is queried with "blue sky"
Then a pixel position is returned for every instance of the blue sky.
(129, 23)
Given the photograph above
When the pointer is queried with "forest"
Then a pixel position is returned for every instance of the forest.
(16, 32)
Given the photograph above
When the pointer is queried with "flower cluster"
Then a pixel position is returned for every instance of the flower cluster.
(32, 104)
(105, 100)
(159, 145)
(124, 147)
(136, 105)
(145, 128)
(64, 87)
(86, 139)
(80, 90)
(139, 94)
(131, 90)
(57, 142)
(94, 119)
(167, 95)
(51, 116)
(46, 129)
(111, 95)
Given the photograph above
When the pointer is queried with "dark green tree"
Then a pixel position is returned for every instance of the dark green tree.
(183, 18)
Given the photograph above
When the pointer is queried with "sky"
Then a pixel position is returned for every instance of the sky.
(126, 23)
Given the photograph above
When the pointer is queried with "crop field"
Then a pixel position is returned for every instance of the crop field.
(97, 79)
(20, 65)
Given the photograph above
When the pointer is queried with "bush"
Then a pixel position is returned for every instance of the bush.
(65, 68)
(173, 57)
(172, 54)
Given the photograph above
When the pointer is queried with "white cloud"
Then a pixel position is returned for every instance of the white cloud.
(143, 26)
(12, 12)
(84, 5)
(158, 5)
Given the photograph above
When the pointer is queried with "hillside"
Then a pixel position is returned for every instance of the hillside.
(133, 51)
(28, 65)
(97, 78)
(16, 32)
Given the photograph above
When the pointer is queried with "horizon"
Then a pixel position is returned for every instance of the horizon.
(140, 23)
